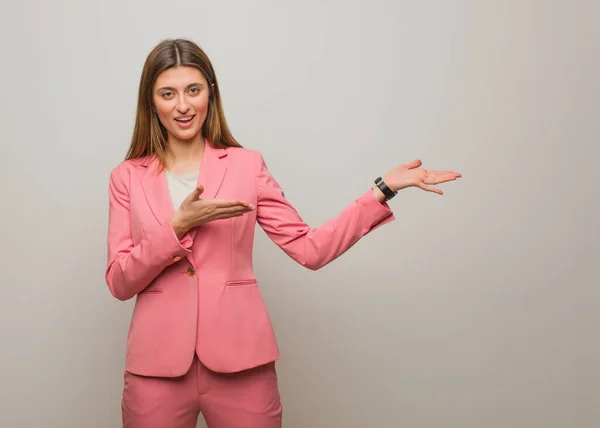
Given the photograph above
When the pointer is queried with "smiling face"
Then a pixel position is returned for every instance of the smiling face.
(181, 97)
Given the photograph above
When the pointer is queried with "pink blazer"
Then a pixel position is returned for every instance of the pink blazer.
(199, 294)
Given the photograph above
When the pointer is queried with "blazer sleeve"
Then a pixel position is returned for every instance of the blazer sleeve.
(314, 247)
(131, 268)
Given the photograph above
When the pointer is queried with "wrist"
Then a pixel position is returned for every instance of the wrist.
(387, 192)
(378, 194)
(177, 225)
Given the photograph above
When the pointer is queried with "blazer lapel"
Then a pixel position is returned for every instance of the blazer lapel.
(156, 191)
(212, 171)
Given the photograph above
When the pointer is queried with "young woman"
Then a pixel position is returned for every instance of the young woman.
(183, 209)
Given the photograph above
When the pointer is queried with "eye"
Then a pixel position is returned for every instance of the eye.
(166, 94)
(195, 90)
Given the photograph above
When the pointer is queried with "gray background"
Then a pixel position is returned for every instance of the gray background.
(477, 309)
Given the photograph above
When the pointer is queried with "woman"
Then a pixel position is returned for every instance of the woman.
(183, 209)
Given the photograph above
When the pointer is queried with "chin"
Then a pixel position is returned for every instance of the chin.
(189, 135)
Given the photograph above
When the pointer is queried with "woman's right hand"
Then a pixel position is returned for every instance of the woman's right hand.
(194, 211)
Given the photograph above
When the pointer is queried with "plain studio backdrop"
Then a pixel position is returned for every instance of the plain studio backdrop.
(476, 309)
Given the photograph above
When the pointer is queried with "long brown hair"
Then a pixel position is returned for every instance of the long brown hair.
(149, 135)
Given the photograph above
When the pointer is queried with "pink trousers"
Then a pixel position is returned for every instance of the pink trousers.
(248, 399)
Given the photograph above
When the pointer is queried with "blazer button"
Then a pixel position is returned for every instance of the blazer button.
(191, 271)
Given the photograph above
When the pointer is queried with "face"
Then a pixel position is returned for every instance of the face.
(180, 96)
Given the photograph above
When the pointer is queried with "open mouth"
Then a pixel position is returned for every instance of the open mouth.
(185, 119)
(184, 122)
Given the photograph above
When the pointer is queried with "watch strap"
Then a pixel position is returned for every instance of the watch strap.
(387, 192)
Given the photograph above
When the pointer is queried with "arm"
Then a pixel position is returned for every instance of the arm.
(132, 268)
(315, 247)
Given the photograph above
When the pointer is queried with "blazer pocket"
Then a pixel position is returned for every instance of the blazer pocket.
(152, 291)
(241, 282)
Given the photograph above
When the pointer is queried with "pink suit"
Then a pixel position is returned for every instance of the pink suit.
(198, 297)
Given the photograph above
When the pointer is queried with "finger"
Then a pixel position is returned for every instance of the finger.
(228, 203)
(429, 188)
(233, 210)
(445, 172)
(439, 178)
(414, 164)
(450, 173)
(430, 173)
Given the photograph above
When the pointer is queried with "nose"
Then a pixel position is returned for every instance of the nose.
(182, 105)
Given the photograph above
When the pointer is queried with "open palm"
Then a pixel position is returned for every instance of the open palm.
(411, 174)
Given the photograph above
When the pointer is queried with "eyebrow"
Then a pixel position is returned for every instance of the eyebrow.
(173, 89)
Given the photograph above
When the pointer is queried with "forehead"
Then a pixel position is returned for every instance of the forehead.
(179, 77)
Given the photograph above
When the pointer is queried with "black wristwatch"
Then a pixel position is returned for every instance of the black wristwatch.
(388, 193)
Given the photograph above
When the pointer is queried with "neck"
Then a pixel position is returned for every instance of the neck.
(185, 153)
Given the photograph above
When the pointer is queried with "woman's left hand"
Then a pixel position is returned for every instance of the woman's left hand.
(411, 174)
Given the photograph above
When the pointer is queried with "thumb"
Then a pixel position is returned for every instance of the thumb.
(195, 194)
(414, 164)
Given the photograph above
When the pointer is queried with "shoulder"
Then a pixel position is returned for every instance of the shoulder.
(246, 156)
(241, 152)
(130, 167)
